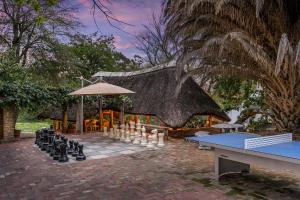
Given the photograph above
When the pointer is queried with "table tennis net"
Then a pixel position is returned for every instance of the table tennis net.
(268, 140)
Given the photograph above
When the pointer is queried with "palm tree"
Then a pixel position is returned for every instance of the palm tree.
(253, 39)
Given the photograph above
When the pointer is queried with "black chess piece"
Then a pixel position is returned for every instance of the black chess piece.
(50, 145)
(41, 139)
(75, 152)
(54, 143)
(56, 154)
(45, 142)
(80, 155)
(37, 137)
(70, 150)
(63, 153)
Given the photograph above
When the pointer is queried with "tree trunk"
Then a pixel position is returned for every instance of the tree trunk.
(285, 107)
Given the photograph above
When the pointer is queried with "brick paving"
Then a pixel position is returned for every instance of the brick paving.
(178, 171)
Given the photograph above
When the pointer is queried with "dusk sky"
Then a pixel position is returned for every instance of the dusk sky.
(134, 12)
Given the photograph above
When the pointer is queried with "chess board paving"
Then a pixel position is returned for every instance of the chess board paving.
(101, 147)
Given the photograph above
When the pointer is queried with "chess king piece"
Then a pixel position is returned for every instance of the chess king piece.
(50, 145)
(144, 137)
(70, 150)
(154, 136)
(161, 140)
(75, 152)
(136, 138)
(63, 153)
(122, 133)
(80, 155)
(127, 134)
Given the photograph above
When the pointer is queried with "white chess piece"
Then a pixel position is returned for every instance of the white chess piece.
(144, 137)
(127, 135)
(105, 131)
(161, 140)
(154, 136)
(111, 135)
(138, 130)
(122, 133)
(136, 138)
(150, 144)
(116, 131)
(132, 132)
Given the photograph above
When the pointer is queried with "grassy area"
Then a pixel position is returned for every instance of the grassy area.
(32, 126)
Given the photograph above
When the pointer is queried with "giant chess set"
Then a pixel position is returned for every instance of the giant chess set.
(120, 140)
(58, 146)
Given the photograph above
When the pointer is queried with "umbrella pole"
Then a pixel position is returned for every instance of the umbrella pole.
(101, 113)
(81, 112)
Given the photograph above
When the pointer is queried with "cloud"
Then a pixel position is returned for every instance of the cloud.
(134, 12)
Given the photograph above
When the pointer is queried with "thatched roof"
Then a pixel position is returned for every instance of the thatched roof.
(155, 94)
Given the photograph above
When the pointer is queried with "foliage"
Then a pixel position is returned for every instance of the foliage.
(256, 40)
(196, 122)
(32, 125)
(83, 56)
(232, 92)
(118, 102)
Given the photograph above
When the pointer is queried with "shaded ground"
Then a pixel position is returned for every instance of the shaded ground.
(178, 171)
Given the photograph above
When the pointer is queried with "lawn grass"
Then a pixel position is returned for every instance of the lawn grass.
(32, 126)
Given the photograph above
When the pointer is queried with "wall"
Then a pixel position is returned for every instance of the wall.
(8, 119)
(1, 123)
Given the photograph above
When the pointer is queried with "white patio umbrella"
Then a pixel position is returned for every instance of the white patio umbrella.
(101, 88)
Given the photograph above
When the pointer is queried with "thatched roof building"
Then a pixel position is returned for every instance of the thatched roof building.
(155, 94)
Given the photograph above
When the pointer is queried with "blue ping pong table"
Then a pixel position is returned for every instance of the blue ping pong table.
(234, 152)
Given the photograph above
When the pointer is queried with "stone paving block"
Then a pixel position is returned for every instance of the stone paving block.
(177, 171)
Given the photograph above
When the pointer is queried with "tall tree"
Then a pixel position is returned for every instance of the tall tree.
(155, 44)
(250, 38)
(26, 29)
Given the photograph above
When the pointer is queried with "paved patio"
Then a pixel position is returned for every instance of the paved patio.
(178, 171)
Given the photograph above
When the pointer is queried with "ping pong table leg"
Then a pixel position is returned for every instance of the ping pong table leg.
(225, 166)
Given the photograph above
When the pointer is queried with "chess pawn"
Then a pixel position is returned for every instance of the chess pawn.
(105, 131)
(71, 147)
(75, 152)
(50, 145)
(63, 153)
(136, 138)
(138, 129)
(54, 143)
(122, 133)
(56, 154)
(117, 135)
(80, 155)
(132, 132)
(111, 135)
(161, 140)
(127, 135)
(150, 144)
(144, 137)
(154, 136)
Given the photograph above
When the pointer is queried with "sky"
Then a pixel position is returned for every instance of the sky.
(134, 12)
